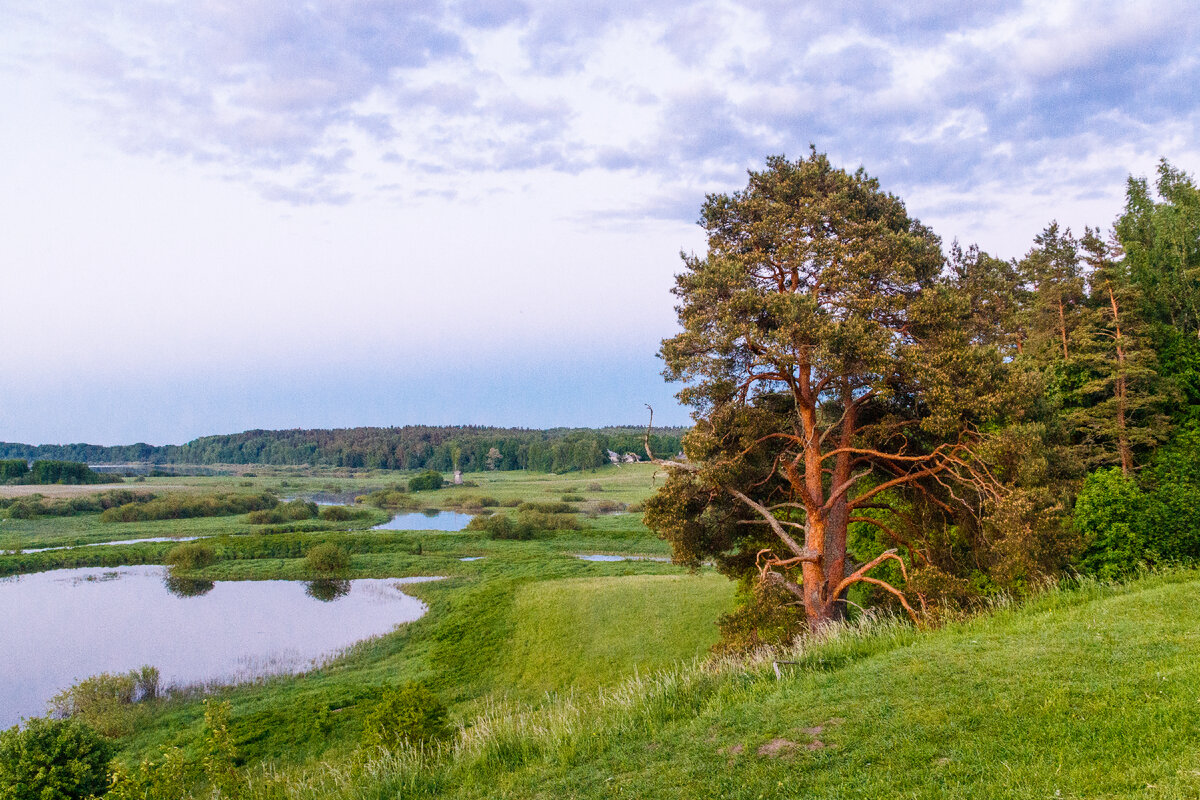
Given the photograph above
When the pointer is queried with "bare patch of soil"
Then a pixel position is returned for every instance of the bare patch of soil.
(777, 747)
(76, 490)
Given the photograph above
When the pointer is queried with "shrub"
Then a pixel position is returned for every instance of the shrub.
(550, 507)
(391, 497)
(103, 701)
(54, 760)
(595, 487)
(763, 616)
(410, 714)
(24, 509)
(512, 503)
(326, 558)
(429, 479)
(594, 507)
(502, 526)
(572, 498)
(187, 506)
(190, 556)
(342, 513)
(542, 521)
(1124, 527)
(488, 502)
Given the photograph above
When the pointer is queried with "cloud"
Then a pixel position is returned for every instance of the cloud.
(927, 94)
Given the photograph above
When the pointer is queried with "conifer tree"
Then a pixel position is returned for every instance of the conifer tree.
(1118, 410)
(831, 370)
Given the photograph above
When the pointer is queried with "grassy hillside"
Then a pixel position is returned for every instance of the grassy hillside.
(582, 633)
(1088, 693)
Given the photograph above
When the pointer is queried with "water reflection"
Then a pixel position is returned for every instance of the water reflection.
(428, 520)
(187, 587)
(59, 627)
(327, 589)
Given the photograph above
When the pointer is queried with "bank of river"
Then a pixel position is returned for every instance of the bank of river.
(62, 626)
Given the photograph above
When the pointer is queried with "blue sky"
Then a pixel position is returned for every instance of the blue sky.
(220, 216)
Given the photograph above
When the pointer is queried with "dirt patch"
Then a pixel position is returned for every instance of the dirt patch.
(777, 747)
(73, 490)
(732, 750)
(815, 731)
(815, 744)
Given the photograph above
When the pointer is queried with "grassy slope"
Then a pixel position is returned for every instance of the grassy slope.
(1097, 698)
(582, 633)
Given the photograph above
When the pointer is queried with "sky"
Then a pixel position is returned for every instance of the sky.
(218, 216)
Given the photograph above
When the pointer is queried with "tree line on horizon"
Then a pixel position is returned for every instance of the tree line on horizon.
(412, 447)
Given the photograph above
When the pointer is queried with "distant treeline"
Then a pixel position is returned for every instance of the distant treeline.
(47, 471)
(443, 448)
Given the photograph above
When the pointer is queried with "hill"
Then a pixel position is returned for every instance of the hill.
(1084, 693)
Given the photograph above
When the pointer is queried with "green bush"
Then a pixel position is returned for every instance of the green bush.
(24, 509)
(326, 559)
(391, 497)
(572, 498)
(105, 702)
(429, 479)
(53, 760)
(293, 511)
(1126, 526)
(188, 506)
(190, 556)
(501, 526)
(410, 714)
(542, 521)
(342, 513)
(549, 507)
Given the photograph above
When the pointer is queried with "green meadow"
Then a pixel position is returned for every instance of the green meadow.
(566, 678)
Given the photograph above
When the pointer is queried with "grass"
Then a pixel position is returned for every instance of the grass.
(575, 679)
(1088, 692)
(460, 648)
(583, 633)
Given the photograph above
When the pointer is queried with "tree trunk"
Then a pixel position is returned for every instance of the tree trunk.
(1062, 327)
(1120, 389)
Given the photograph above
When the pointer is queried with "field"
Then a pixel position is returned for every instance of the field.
(581, 679)
(485, 618)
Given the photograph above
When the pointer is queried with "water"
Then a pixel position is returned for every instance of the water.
(603, 557)
(430, 520)
(102, 544)
(59, 627)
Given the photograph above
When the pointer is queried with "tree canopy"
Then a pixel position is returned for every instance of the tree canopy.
(876, 421)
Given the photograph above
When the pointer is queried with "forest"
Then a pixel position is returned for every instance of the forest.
(881, 420)
(466, 447)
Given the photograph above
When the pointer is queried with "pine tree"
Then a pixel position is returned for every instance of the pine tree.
(1119, 408)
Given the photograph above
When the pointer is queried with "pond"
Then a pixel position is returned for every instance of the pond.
(102, 544)
(429, 520)
(62, 626)
(607, 557)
